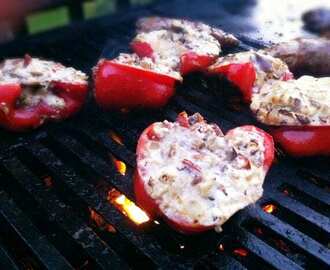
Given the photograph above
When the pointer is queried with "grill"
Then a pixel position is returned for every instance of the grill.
(58, 184)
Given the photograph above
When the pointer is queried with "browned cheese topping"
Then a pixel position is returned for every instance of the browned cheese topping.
(171, 43)
(35, 77)
(305, 101)
(201, 175)
(146, 63)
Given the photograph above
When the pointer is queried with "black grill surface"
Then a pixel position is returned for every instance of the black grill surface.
(52, 180)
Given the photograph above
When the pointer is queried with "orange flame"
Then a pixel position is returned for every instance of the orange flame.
(120, 165)
(221, 247)
(269, 208)
(282, 245)
(124, 110)
(100, 222)
(259, 231)
(240, 252)
(127, 207)
(118, 139)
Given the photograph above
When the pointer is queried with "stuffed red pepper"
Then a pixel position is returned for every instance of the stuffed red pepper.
(298, 112)
(308, 131)
(182, 45)
(33, 91)
(304, 55)
(129, 82)
(250, 70)
(195, 177)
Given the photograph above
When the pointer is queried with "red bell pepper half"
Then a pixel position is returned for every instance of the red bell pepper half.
(124, 86)
(249, 70)
(15, 118)
(295, 140)
(15, 115)
(300, 141)
(242, 75)
(151, 206)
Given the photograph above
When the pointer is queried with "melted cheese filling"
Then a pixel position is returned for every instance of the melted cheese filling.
(266, 66)
(168, 45)
(201, 177)
(146, 63)
(35, 77)
(305, 101)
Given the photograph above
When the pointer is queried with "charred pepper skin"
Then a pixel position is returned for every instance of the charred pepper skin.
(120, 86)
(244, 75)
(150, 205)
(241, 75)
(20, 119)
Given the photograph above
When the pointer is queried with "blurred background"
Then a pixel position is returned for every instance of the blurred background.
(260, 19)
(19, 17)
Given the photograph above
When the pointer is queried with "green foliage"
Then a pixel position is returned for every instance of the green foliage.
(49, 19)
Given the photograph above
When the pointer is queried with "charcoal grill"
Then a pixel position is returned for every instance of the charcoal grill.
(55, 182)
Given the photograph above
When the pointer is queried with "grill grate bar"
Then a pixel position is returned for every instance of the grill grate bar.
(301, 210)
(285, 173)
(145, 243)
(264, 251)
(211, 117)
(84, 235)
(6, 261)
(292, 234)
(321, 170)
(211, 104)
(102, 138)
(119, 151)
(77, 180)
(43, 250)
(122, 183)
(221, 261)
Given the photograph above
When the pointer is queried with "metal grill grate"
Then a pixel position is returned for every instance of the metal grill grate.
(54, 207)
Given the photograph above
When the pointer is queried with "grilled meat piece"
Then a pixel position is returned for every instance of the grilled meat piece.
(304, 56)
(149, 24)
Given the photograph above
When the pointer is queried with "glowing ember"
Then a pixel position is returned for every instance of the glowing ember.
(48, 181)
(100, 222)
(124, 110)
(269, 208)
(259, 231)
(181, 246)
(127, 207)
(240, 252)
(120, 165)
(282, 245)
(116, 137)
(156, 222)
(221, 247)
